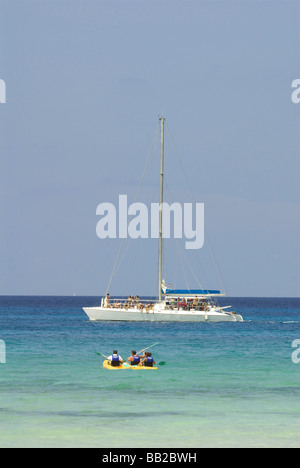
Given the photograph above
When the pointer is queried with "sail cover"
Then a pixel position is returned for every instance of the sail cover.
(191, 292)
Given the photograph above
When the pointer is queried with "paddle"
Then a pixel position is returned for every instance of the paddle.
(161, 363)
(99, 354)
(144, 349)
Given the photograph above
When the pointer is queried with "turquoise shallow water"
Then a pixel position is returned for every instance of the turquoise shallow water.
(224, 385)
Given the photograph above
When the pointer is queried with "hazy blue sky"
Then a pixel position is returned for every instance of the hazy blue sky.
(86, 82)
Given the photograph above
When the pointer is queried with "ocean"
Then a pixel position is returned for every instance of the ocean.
(223, 385)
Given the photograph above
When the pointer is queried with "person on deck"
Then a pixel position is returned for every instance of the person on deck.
(106, 302)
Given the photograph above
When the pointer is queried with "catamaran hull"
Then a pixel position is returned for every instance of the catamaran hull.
(121, 315)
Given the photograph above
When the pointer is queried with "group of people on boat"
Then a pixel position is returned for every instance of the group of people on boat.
(145, 359)
(192, 303)
(179, 303)
(132, 301)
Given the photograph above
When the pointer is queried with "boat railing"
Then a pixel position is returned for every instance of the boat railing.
(123, 303)
(186, 306)
(169, 303)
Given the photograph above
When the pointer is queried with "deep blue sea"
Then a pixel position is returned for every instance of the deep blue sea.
(223, 385)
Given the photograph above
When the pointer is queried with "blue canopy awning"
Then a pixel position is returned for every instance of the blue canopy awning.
(191, 292)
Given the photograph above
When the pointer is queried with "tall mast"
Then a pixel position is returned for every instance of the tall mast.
(162, 121)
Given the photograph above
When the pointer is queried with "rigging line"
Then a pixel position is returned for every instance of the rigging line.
(164, 268)
(127, 246)
(217, 270)
(178, 246)
(182, 263)
(180, 163)
(137, 194)
(188, 264)
(212, 256)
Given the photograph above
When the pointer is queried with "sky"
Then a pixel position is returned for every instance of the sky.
(86, 82)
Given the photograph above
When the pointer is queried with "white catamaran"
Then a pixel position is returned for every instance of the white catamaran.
(173, 305)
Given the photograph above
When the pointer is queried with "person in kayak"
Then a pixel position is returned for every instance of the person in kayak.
(115, 359)
(134, 359)
(148, 360)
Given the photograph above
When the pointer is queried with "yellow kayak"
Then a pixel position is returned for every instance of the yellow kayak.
(125, 365)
